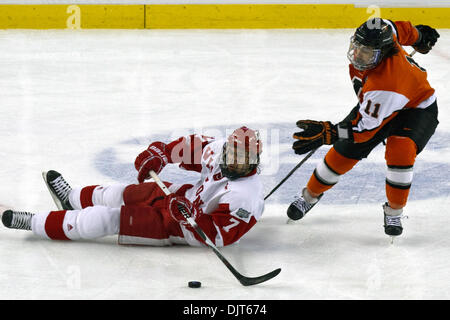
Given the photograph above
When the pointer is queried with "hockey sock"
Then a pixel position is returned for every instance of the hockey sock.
(329, 170)
(400, 157)
(89, 223)
(50, 225)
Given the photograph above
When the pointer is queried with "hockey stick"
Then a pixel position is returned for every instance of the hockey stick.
(291, 172)
(245, 281)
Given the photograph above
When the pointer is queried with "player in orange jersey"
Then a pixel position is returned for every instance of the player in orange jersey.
(396, 104)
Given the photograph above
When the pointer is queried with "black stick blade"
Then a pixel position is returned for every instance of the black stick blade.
(248, 281)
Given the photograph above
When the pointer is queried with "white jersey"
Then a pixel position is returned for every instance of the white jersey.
(234, 205)
(227, 209)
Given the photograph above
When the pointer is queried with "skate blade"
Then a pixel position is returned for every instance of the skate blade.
(392, 239)
(55, 199)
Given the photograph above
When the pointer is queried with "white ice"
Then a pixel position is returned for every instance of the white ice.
(86, 102)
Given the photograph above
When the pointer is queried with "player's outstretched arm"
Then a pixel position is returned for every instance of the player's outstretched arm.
(186, 151)
(421, 37)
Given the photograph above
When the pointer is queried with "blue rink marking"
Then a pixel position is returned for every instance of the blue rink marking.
(365, 183)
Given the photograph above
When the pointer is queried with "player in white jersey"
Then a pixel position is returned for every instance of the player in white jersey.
(226, 201)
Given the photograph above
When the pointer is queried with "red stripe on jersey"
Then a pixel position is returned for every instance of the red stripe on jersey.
(54, 225)
(86, 196)
(230, 227)
(206, 223)
(236, 232)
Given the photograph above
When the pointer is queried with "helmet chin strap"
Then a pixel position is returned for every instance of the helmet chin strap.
(226, 172)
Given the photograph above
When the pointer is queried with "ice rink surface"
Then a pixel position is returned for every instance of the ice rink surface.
(86, 103)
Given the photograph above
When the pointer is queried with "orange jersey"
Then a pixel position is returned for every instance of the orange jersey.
(398, 82)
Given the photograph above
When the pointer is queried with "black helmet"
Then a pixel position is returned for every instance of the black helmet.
(375, 33)
(370, 43)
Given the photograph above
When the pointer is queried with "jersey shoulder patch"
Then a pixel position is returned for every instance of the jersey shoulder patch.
(242, 213)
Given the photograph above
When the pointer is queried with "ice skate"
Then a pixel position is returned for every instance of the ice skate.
(301, 206)
(392, 221)
(59, 189)
(17, 219)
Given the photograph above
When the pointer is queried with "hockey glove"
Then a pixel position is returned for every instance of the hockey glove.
(427, 39)
(180, 208)
(153, 158)
(314, 134)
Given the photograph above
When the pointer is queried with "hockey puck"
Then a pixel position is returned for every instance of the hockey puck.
(194, 284)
